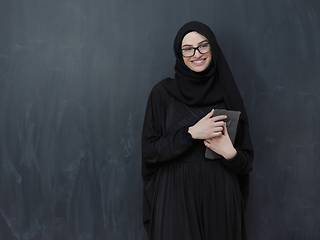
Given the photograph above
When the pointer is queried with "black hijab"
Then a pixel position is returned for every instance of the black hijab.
(213, 85)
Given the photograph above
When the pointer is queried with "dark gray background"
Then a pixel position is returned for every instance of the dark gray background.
(74, 80)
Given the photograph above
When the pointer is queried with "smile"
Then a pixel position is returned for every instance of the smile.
(199, 62)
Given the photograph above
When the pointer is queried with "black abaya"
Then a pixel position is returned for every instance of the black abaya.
(187, 196)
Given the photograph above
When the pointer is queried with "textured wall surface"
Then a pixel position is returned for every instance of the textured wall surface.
(74, 80)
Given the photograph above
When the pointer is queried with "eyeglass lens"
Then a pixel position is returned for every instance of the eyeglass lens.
(190, 51)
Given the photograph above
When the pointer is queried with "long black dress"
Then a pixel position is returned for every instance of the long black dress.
(186, 196)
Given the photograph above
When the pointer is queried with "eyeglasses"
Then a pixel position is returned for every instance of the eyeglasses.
(190, 51)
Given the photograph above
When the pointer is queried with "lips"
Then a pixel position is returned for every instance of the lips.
(199, 62)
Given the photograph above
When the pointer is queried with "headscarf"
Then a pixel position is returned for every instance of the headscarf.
(213, 85)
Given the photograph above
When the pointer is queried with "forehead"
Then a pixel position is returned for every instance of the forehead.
(193, 38)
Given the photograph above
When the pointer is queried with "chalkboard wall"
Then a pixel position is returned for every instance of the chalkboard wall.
(75, 76)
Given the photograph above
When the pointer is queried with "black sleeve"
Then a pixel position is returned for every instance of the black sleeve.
(241, 164)
(157, 146)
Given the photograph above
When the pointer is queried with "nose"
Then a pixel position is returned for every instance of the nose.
(197, 53)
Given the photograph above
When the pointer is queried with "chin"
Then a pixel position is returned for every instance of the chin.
(198, 69)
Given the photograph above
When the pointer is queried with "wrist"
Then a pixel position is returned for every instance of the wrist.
(231, 154)
(191, 131)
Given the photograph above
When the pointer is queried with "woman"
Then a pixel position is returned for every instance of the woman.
(186, 196)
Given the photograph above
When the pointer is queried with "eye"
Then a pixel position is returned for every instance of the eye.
(205, 45)
(187, 49)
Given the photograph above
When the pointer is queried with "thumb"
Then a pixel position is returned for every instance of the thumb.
(225, 130)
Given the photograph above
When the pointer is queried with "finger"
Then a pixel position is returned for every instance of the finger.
(216, 134)
(219, 124)
(219, 118)
(210, 114)
(225, 130)
(219, 129)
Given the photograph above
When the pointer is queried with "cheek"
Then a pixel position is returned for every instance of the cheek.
(209, 58)
(185, 60)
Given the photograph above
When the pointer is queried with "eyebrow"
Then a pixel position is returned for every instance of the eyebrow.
(187, 45)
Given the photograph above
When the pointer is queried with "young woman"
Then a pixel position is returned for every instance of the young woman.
(187, 196)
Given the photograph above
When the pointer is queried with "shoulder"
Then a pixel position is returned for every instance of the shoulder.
(159, 97)
(159, 91)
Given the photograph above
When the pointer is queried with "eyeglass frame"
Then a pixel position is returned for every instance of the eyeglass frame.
(196, 48)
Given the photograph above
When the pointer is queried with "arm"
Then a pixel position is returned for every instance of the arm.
(157, 145)
(239, 157)
(158, 148)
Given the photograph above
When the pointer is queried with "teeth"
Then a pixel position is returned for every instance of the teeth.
(198, 61)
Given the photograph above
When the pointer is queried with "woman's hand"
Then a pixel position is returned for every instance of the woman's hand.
(222, 144)
(208, 127)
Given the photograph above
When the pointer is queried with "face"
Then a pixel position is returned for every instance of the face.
(198, 62)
